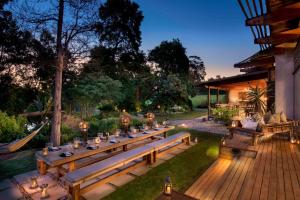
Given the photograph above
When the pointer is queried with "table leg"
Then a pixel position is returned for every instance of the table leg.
(125, 147)
(42, 167)
(72, 166)
(74, 192)
(165, 134)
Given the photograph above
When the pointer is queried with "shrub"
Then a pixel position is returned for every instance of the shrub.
(136, 122)
(224, 114)
(103, 125)
(68, 134)
(11, 127)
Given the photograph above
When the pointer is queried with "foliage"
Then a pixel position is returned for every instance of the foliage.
(136, 122)
(196, 69)
(255, 97)
(172, 88)
(104, 125)
(224, 114)
(171, 58)
(68, 134)
(11, 127)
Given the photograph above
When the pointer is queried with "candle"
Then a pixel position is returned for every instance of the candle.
(34, 183)
(45, 151)
(44, 192)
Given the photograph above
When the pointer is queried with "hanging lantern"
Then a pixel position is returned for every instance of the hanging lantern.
(44, 191)
(34, 183)
(168, 186)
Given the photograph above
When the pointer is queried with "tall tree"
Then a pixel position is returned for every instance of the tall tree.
(118, 54)
(170, 56)
(73, 22)
(196, 69)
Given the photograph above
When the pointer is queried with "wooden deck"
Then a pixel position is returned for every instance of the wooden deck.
(273, 174)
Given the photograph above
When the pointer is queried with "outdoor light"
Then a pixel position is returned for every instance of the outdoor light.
(76, 143)
(150, 119)
(44, 192)
(223, 141)
(34, 183)
(168, 186)
(293, 140)
(97, 140)
(84, 126)
(125, 122)
(196, 140)
(45, 151)
(233, 123)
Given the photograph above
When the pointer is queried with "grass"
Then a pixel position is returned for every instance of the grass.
(180, 116)
(21, 162)
(201, 100)
(183, 169)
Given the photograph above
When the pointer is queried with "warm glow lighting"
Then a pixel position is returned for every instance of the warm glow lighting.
(34, 183)
(168, 186)
(196, 140)
(44, 191)
(45, 151)
(293, 140)
(223, 141)
(233, 124)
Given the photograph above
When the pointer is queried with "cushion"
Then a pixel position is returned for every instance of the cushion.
(249, 124)
(283, 117)
(267, 117)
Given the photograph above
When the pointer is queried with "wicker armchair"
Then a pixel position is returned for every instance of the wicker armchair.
(282, 130)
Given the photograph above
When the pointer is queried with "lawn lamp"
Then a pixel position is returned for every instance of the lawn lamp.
(84, 126)
(150, 119)
(168, 186)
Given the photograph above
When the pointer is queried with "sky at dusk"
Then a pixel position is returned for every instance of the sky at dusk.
(213, 30)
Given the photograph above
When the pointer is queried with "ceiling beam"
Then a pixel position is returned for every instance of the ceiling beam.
(277, 39)
(295, 31)
(286, 13)
(255, 63)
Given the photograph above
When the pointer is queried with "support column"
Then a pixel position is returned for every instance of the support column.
(284, 84)
(208, 101)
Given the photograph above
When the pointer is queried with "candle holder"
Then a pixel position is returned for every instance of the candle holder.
(168, 186)
(44, 191)
(34, 183)
(84, 126)
(45, 151)
(76, 143)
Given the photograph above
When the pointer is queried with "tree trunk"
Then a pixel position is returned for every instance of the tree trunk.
(56, 121)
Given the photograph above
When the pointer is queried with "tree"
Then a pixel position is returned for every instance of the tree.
(171, 58)
(118, 54)
(74, 21)
(196, 69)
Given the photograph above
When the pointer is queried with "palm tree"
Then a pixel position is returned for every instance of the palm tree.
(255, 97)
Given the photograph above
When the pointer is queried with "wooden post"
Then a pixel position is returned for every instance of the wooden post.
(42, 167)
(74, 191)
(150, 158)
(208, 101)
(125, 147)
(154, 156)
(218, 93)
(72, 166)
(165, 134)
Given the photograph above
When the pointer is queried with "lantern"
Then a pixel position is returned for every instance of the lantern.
(34, 183)
(84, 126)
(76, 143)
(125, 122)
(150, 119)
(233, 123)
(168, 186)
(44, 191)
(45, 151)
(196, 140)
(223, 141)
(293, 140)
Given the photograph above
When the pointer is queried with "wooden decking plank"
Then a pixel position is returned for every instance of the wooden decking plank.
(289, 194)
(280, 180)
(220, 182)
(193, 189)
(260, 173)
(272, 185)
(202, 190)
(293, 150)
(246, 191)
(228, 181)
(237, 187)
(234, 188)
(266, 175)
(292, 169)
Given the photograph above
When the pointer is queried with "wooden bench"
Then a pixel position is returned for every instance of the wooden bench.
(148, 152)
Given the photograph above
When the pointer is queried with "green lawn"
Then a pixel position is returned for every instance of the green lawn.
(185, 115)
(21, 162)
(183, 169)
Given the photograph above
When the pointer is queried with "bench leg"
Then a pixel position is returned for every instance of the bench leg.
(42, 167)
(72, 166)
(74, 192)
(124, 147)
(150, 158)
(165, 134)
(154, 156)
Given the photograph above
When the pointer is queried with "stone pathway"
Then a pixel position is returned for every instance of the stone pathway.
(200, 125)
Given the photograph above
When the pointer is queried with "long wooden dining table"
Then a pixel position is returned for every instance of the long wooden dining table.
(54, 158)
